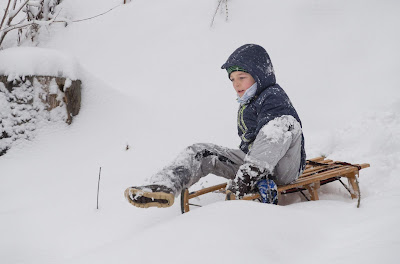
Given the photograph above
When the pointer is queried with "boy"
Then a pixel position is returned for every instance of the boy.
(271, 151)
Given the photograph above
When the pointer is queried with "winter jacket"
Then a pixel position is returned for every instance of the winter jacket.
(270, 100)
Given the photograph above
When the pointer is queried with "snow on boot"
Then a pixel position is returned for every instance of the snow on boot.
(150, 196)
(268, 191)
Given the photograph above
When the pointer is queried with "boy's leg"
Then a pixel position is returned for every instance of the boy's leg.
(197, 161)
(189, 167)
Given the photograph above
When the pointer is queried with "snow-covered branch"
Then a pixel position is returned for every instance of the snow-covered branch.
(33, 22)
(218, 8)
(38, 13)
(35, 3)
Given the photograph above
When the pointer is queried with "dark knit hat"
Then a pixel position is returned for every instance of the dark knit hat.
(235, 68)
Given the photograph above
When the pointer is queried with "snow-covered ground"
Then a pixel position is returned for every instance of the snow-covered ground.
(152, 80)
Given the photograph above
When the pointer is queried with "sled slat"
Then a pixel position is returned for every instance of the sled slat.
(308, 172)
(314, 168)
(320, 176)
(319, 160)
(207, 190)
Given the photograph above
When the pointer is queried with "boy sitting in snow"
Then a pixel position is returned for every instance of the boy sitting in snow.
(272, 144)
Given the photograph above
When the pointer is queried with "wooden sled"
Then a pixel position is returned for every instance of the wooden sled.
(319, 171)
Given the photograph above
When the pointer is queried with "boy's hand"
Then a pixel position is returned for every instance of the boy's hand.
(245, 180)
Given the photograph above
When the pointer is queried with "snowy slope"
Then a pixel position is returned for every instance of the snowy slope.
(152, 80)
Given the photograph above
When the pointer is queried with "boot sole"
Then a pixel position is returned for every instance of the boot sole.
(168, 197)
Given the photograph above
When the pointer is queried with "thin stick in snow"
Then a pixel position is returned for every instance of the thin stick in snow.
(98, 188)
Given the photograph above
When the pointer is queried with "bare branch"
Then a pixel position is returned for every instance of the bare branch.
(55, 17)
(79, 20)
(226, 10)
(5, 13)
(220, 7)
(216, 10)
(11, 17)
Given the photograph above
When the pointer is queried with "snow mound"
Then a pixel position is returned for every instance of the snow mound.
(247, 232)
(23, 61)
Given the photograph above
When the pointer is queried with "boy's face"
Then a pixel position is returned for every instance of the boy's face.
(241, 81)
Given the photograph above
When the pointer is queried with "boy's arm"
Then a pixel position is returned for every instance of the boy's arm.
(272, 142)
(270, 145)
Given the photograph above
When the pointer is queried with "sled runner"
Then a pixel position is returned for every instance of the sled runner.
(319, 171)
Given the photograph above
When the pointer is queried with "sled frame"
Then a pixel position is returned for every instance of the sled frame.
(319, 171)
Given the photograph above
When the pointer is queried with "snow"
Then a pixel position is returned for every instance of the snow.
(281, 125)
(152, 80)
(23, 61)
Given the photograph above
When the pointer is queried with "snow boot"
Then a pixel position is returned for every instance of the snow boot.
(150, 196)
(268, 191)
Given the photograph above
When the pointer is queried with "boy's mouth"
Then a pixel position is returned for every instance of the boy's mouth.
(240, 92)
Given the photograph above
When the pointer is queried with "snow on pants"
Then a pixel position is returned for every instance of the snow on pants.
(276, 150)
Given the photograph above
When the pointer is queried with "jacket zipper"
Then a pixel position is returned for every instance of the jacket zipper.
(241, 123)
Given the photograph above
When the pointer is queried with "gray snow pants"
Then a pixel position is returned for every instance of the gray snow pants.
(276, 150)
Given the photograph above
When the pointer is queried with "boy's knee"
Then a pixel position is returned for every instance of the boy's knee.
(203, 150)
(197, 147)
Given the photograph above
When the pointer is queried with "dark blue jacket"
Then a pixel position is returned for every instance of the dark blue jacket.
(270, 100)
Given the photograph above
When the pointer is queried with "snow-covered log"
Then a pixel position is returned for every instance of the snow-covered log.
(29, 102)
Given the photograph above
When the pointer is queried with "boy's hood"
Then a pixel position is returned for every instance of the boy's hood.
(254, 59)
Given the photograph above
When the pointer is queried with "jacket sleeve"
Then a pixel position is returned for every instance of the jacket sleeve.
(273, 143)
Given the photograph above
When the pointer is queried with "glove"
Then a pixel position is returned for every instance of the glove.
(246, 179)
